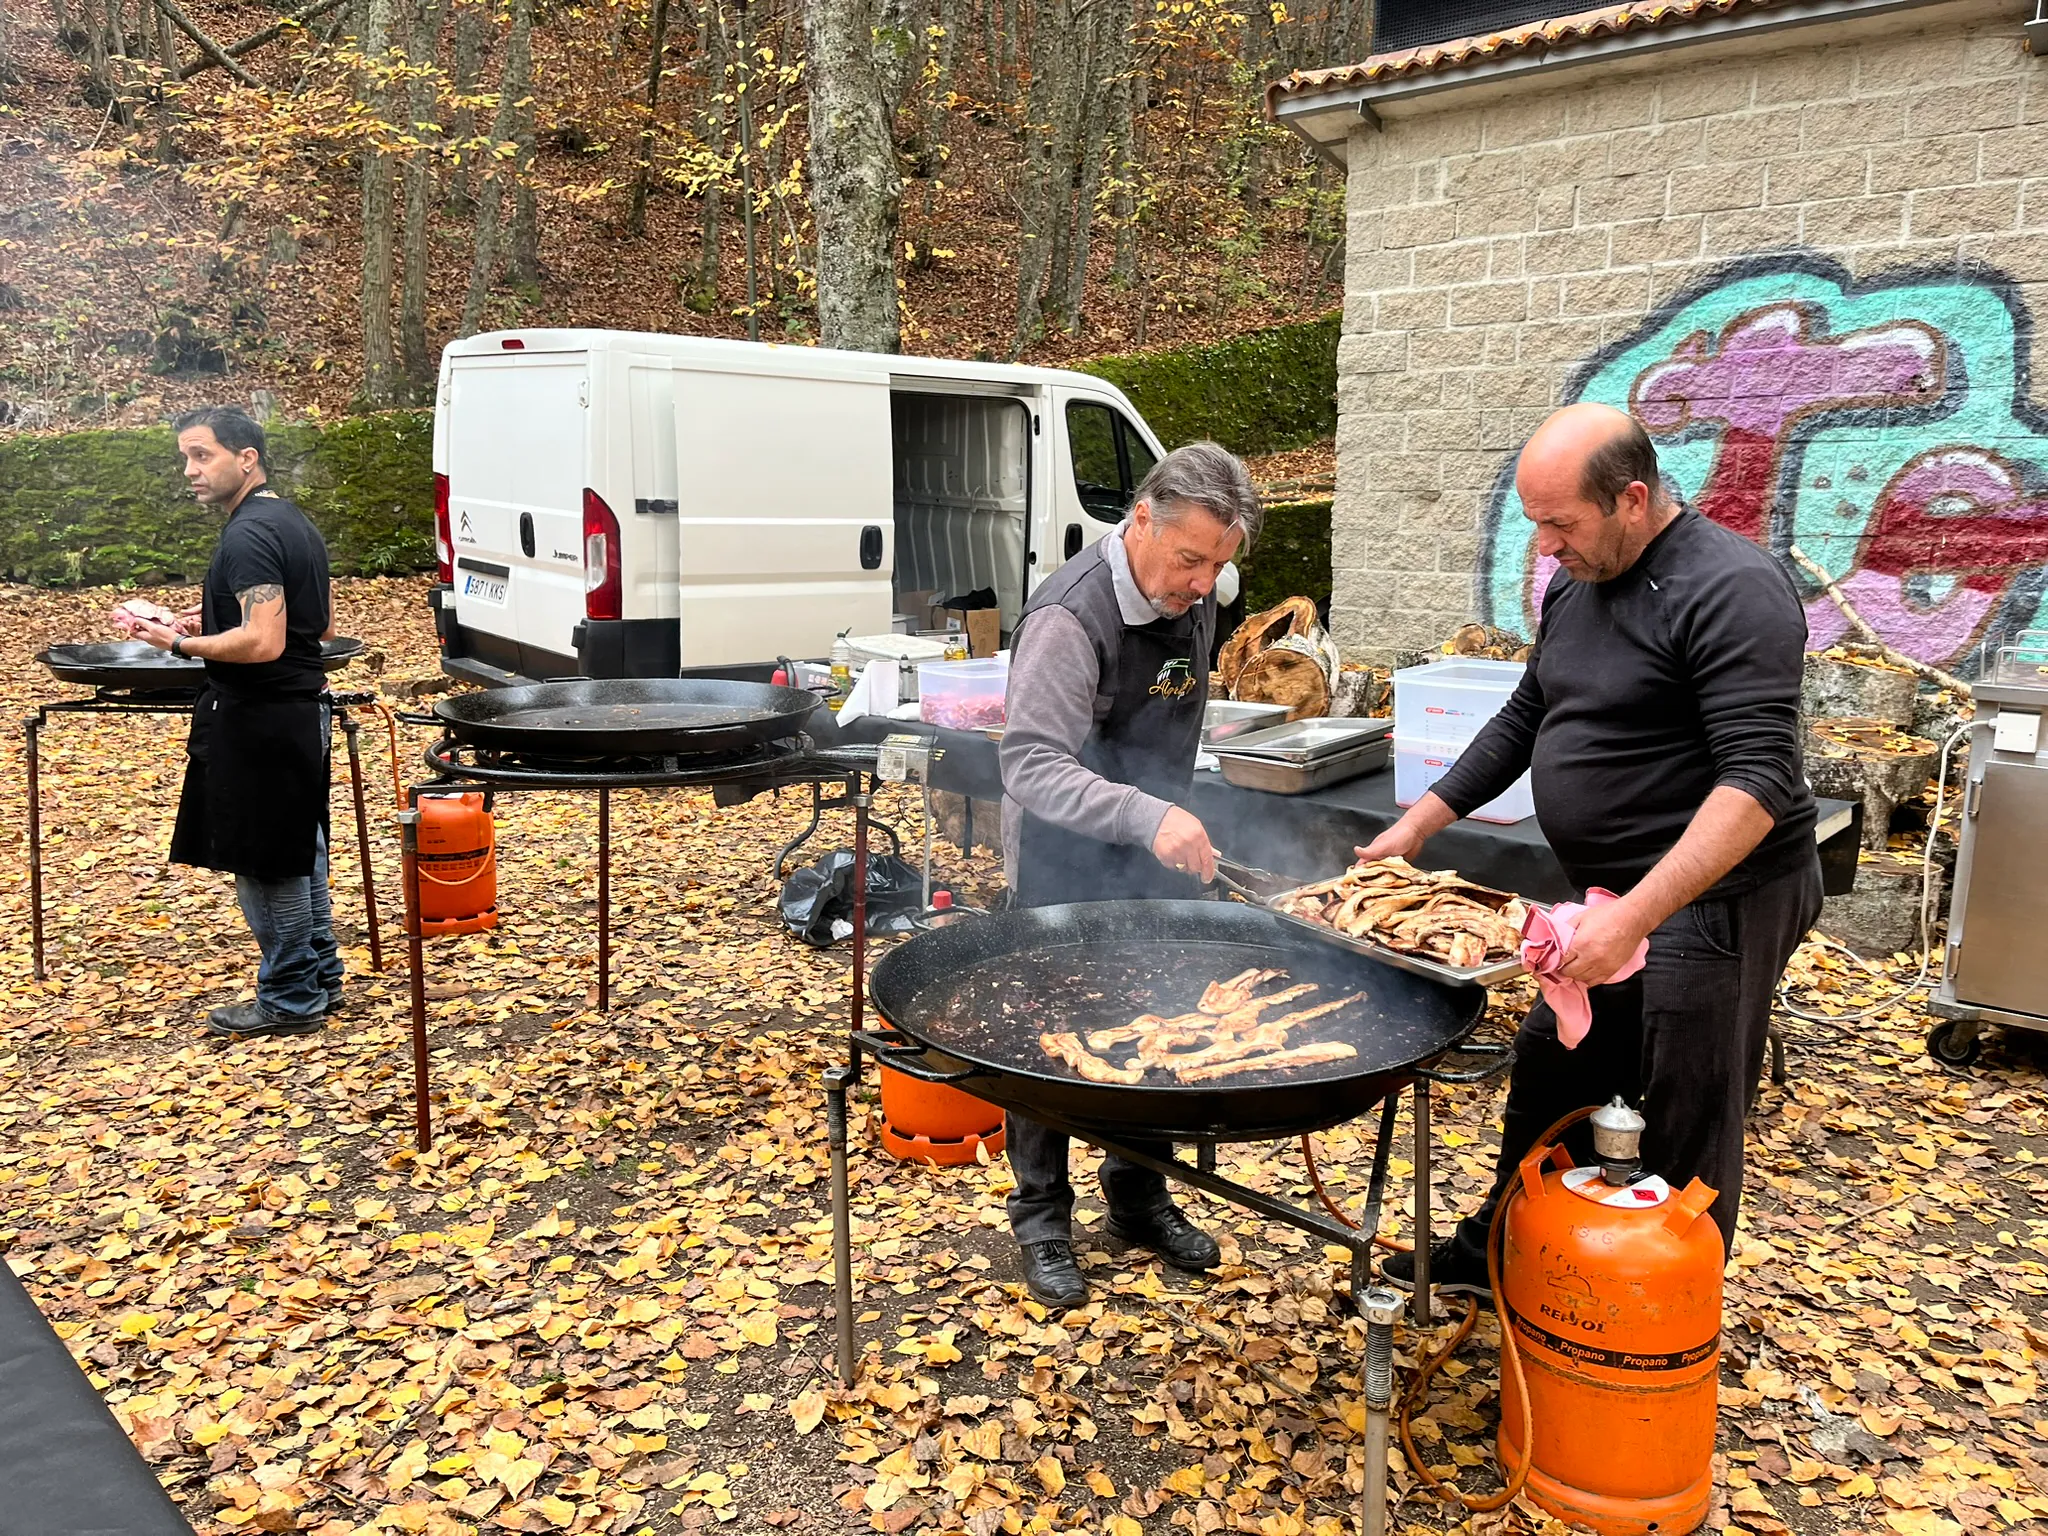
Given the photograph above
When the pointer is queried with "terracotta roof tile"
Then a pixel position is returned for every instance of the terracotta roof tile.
(1559, 31)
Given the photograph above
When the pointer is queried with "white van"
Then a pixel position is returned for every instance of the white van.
(616, 504)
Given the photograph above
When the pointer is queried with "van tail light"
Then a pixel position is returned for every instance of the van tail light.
(602, 597)
(444, 535)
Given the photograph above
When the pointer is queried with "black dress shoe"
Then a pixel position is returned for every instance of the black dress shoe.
(1050, 1273)
(1454, 1270)
(1167, 1233)
(245, 1019)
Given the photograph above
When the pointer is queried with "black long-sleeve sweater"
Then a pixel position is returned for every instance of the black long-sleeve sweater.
(1646, 693)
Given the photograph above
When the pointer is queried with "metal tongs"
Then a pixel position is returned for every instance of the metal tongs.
(1248, 883)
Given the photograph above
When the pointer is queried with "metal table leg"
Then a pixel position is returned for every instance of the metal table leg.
(34, 726)
(409, 834)
(604, 901)
(836, 1080)
(1423, 1175)
(355, 780)
(1375, 1195)
(862, 798)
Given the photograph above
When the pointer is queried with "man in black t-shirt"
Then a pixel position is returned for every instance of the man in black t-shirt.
(1659, 719)
(255, 797)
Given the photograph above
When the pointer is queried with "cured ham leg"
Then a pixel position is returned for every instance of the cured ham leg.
(1068, 1050)
(1300, 1056)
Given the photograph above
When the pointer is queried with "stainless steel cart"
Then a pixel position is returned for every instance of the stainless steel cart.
(1997, 962)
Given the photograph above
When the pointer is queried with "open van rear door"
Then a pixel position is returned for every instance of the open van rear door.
(517, 465)
(785, 522)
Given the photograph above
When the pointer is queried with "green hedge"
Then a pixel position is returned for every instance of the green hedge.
(1292, 558)
(98, 508)
(1261, 393)
(92, 508)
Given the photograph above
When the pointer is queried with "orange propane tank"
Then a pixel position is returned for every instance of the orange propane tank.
(458, 864)
(937, 1123)
(1612, 1284)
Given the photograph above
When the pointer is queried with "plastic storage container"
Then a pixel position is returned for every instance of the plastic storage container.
(1419, 764)
(964, 695)
(1448, 701)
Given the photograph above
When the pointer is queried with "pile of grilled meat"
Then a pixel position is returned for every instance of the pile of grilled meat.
(1432, 913)
(1226, 1034)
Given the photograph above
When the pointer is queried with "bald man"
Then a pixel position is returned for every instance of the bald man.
(1660, 716)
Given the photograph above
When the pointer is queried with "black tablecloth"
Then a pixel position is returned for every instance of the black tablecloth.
(66, 1469)
(1310, 836)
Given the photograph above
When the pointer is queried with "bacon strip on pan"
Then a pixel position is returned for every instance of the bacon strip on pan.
(1068, 1050)
(1314, 1054)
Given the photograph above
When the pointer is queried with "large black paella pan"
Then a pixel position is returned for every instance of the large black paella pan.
(968, 1003)
(598, 717)
(139, 667)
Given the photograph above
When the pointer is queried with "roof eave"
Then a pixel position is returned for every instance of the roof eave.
(1325, 118)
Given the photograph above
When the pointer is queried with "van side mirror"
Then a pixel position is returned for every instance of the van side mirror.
(871, 548)
(1073, 544)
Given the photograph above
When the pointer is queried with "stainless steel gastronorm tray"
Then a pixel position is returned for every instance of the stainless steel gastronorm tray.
(1306, 740)
(1291, 776)
(1479, 975)
(1227, 719)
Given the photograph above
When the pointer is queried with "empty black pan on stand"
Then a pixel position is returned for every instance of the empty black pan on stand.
(600, 717)
(140, 667)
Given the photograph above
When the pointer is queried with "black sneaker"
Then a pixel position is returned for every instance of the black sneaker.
(1050, 1273)
(1454, 1270)
(245, 1019)
(1168, 1233)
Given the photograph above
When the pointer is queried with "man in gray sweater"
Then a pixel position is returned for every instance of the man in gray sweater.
(1109, 674)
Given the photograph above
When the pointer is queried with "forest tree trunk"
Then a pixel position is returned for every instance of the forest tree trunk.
(380, 370)
(525, 202)
(643, 167)
(711, 132)
(423, 52)
(856, 190)
(490, 212)
(469, 49)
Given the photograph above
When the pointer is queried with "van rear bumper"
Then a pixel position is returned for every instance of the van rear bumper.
(614, 648)
(628, 647)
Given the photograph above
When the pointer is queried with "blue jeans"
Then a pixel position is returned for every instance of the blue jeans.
(294, 927)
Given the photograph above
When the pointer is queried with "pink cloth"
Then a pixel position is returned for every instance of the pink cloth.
(1546, 940)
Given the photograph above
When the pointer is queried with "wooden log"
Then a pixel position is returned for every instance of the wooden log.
(1881, 917)
(256, 40)
(1881, 780)
(207, 45)
(1835, 687)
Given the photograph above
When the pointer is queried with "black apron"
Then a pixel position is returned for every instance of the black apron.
(255, 794)
(1148, 727)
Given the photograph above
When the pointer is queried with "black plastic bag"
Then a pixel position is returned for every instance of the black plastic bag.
(817, 901)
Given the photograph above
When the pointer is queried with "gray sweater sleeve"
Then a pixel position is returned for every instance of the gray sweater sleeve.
(1049, 713)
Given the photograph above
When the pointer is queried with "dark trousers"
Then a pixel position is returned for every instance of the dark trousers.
(1683, 1040)
(1043, 1203)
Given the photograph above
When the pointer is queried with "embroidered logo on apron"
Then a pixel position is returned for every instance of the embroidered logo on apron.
(1176, 679)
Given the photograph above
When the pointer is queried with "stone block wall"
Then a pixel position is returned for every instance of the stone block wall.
(1810, 268)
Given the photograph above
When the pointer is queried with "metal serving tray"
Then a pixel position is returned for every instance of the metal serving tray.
(1479, 975)
(1307, 741)
(1227, 719)
(1293, 776)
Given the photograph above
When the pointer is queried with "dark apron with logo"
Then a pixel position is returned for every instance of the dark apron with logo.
(1148, 727)
(255, 794)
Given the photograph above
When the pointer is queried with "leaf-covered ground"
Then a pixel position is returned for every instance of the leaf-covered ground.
(602, 1302)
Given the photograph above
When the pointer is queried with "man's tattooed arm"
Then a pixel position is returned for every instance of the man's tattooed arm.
(252, 598)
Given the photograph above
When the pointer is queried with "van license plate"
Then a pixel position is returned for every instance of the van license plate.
(485, 589)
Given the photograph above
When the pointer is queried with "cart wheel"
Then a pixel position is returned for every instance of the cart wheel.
(1955, 1043)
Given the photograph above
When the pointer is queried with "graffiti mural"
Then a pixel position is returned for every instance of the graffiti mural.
(1885, 428)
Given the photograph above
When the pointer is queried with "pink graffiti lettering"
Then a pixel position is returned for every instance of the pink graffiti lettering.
(1767, 376)
(1956, 515)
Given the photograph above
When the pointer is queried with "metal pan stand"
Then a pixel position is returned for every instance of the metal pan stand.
(113, 701)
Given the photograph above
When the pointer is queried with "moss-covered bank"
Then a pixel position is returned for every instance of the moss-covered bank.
(110, 507)
(1292, 558)
(1260, 393)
